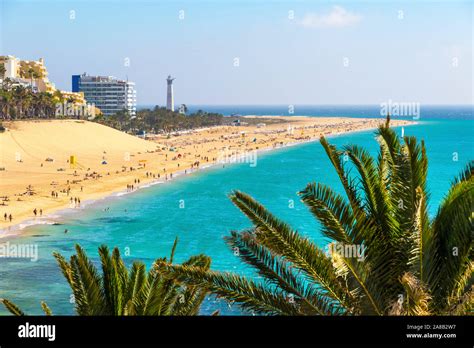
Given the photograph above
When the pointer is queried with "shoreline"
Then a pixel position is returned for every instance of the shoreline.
(14, 230)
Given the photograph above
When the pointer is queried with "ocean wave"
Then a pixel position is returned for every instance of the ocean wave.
(15, 229)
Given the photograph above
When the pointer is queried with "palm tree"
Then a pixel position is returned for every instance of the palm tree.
(2, 71)
(119, 291)
(17, 102)
(410, 265)
(31, 73)
(19, 97)
(6, 98)
(58, 97)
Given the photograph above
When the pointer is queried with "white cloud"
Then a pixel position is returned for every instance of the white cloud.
(338, 17)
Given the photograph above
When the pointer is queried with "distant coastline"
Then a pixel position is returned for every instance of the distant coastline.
(464, 111)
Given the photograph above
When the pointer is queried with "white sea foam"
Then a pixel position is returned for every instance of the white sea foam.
(122, 193)
(150, 184)
(15, 229)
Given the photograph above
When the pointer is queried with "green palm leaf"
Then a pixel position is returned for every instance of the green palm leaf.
(277, 272)
(116, 291)
(46, 309)
(283, 241)
(11, 307)
(451, 243)
(415, 300)
(248, 294)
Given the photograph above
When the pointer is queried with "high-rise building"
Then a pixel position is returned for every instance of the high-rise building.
(107, 93)
(169, 94)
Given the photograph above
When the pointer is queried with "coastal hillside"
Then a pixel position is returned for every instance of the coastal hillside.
(26, 145)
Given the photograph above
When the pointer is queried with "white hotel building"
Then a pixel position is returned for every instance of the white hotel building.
(107, 93)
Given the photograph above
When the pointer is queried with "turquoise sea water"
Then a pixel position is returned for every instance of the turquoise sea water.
(148, 220)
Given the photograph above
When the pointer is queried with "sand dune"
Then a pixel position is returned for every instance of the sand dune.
(26, 146)
(38, 140)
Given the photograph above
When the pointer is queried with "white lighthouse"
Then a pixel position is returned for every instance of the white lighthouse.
(169, 95)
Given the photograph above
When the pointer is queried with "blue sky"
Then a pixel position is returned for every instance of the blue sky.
(344, 52)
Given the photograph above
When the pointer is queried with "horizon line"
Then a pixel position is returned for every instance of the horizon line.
(286, 105)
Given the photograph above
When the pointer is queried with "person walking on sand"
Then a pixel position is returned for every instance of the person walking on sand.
(5, 216)
(10, 217)
(41, 212)
(35, 212)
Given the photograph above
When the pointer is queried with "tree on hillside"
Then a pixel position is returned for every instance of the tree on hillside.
(18, 102)
(32, 74)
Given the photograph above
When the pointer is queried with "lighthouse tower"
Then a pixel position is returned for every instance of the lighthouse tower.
(169, 95)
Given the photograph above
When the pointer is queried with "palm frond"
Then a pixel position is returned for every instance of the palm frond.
(46, 309)
(109, 288)
(419, 236)
(233, 288)
(463, 305)
(279, 273)
(367, 170)
(339, 224)
(283, 241)
(337, 161)
(173, 249)
(464, 283)
(389, 143)
(450, 245)
(12, 308)
(415, 300)
(64, 266)
(135, 286)
(336, 217)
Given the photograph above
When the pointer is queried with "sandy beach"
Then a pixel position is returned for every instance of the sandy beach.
(36, 173)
